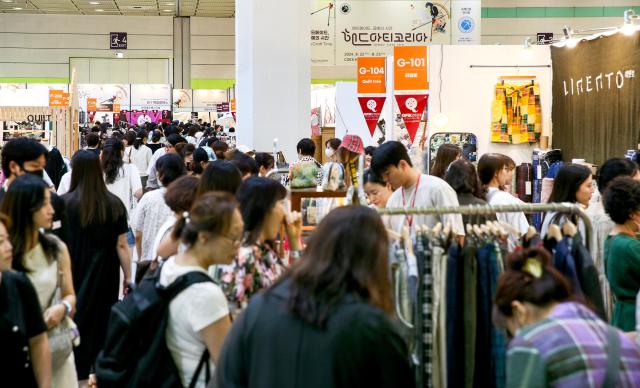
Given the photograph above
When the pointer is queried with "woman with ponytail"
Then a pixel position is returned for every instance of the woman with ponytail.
(556, 341)
(199, 316)
(122, 179)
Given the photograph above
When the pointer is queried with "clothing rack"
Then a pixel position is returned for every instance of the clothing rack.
(565, 208)
(478, 210)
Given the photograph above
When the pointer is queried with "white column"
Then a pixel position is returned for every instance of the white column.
(273, 73)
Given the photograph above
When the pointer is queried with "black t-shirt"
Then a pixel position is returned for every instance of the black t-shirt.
(20, 319)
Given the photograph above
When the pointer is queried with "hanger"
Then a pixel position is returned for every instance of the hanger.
(554, 232)
(393, 235)
(437, 229)
(406, 240)
(569, 229)
(531, 232)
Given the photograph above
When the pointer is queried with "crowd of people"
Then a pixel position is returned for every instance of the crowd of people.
(282, 309)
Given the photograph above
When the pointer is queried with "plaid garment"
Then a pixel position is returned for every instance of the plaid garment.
(427, 324)
(568, 349)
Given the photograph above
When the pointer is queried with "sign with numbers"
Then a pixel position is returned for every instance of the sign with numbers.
(118, 40)
(410, 71)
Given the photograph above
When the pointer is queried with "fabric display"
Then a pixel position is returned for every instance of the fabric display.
(516, 116)
(524, 182)
(542, 160)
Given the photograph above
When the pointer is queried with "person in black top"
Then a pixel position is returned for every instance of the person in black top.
(325, 323)
(93, 143)
(98, 248)
(26, 156)
(25, 359)
(461, 175)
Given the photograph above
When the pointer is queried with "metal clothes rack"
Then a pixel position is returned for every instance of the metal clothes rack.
(564, 208)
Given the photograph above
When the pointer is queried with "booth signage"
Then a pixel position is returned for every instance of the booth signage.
(372, 75)
(465, 20)
(118, 40)
(222, 107)
(371, 108)
(596, 97)
(410, 68)
(544, 37)
(412, 107)
(58, 98)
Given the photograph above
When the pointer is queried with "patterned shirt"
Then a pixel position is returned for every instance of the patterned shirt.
(303, 171)
(568, 349)
(256, 267)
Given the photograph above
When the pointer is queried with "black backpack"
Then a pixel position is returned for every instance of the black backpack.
(135, 352)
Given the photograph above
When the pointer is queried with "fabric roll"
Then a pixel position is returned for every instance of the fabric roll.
(524, 180)
(547, 188)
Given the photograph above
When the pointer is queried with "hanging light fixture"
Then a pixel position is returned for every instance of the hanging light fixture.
(629, 27)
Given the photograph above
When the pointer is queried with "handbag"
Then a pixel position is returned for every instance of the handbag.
(64, 336)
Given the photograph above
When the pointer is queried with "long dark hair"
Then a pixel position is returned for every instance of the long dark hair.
(447, 153)
(199, 156)
(220, 175)
(463, 178)
(89, 193)
(346, 255)
(257, 196)
(569, 179)
(25, 196)
(112, 159)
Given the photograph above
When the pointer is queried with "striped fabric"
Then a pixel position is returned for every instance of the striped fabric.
(568, 349)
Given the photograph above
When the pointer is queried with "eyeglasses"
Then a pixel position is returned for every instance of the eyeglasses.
(234, 240)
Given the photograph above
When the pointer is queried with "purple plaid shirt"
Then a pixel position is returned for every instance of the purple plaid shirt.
(568, 349)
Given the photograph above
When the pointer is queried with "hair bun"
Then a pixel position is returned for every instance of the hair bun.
(524, 260)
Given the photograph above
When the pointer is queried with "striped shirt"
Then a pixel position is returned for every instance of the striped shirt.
(568, 349)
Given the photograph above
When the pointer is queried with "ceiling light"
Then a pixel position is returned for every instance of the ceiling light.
(119, 55)
(168, 4)
(7, 1)
(99, 10)
(94, 3)
(571, 43)
(17, 8)
(628, 28)
(167, 10)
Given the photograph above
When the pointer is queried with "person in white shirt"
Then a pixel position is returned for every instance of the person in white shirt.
(199, 316)
(137, 153)
(412, 189)
(122, 179)
(496, 171)
(169, 147)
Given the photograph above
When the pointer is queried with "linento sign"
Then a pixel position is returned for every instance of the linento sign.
(372, 75)
(410, 68)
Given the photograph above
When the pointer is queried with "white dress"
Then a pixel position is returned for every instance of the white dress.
(43, 276)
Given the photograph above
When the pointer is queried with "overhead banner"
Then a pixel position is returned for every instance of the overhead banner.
(207, 100)
(373, 28)
(104, 97)
(323, 14)
(466, 23)
(372, 77)
(412, 107)
(151, 97)
(58, 98)
(596, 97)
(182, 100)
(410, 68)
(371, 108)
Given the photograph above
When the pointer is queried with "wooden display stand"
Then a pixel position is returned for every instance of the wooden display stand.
(328, 133)
(62, 135)
(298, 195)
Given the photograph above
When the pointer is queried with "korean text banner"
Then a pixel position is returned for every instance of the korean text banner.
(596, 97)
(373, 28)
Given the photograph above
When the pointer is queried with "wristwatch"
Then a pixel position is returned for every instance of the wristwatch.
(67, 308)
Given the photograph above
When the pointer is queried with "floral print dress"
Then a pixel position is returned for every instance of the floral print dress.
(256, 267)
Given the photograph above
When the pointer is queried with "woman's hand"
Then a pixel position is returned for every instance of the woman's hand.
(93, 381)
(54, 315)
(293, 227)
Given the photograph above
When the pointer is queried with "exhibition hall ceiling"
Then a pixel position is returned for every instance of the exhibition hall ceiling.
(212, 8)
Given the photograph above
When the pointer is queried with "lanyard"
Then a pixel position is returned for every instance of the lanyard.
(409, 218)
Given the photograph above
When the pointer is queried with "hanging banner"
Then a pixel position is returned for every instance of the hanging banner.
(151, 97)
(323, 14)
(465, 20)
(371, 108)
(410, 68)
(411, 108)
(373, 28)
(372, 75)
(182, 101)
(206, 100)
(596, 97)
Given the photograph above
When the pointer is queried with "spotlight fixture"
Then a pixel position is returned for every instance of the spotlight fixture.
(629, 26)
(119, 55)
